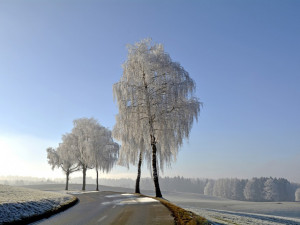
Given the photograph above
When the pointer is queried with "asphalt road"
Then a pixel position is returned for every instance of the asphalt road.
(112, 208)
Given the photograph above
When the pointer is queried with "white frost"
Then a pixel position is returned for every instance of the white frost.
(127, 198)
(156, 105)
(138, 200)
(229, 217)
(17, 203)
(224, 211)
(127, 194)
(120, 195)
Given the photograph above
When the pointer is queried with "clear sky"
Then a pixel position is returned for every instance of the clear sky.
(60, 58)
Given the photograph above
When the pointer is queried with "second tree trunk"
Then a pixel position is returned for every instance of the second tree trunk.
(97, 185)
(83, 177)
(137, 183)
(67, 180)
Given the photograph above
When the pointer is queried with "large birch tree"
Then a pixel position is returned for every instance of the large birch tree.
(155, 101)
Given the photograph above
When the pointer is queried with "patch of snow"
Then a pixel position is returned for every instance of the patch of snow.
(120, 195)
(115, 202)
(128, 194)
(130, 199)
(80, 192)
(138, 200)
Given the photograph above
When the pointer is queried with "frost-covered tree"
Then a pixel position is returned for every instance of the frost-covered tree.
(63, 158)
(250, 190)
(103, 150)
(237, 189)
(271, 192)
(155, 100)
(53, 158)
(82, 132)
(133, 146)
(297, 195)
(88, 146)
(108, 159)
(209, 187)
(285, 190)
(254, 189)
(87, 135)
(222, 188)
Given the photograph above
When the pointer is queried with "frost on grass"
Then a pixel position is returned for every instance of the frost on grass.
(17, 203)
(238, 218)
(223, 211)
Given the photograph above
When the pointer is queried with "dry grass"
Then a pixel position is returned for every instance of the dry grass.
(182, 216)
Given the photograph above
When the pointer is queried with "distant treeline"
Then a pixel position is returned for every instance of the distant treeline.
(21, 181)
(256, 189)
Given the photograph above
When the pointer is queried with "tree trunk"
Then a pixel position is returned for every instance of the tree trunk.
(97, 185)
(84, 176)
(153, 141)
(155, 176)
(67, 180)
(137, 183)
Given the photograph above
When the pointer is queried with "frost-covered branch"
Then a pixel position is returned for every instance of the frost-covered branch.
(156, 106)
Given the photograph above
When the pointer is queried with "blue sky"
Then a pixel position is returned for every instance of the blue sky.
(59, 60)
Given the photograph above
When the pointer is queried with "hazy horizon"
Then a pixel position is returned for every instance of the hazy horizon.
(75, 177)
(59, 60)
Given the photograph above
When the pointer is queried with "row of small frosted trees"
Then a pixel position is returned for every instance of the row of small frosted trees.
(255, 189)
(156, 110)
(89, 145)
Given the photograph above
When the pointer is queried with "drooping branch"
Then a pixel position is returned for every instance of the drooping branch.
(156, 105)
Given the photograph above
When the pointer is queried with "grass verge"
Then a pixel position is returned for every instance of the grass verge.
(182, 216)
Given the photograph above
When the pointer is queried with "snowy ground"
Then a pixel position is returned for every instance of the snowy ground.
(17, 203)
(215, 209)
(229, 217)
(224, 211)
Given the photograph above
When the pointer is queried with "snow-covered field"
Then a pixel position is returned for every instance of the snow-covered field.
(17, 203)
(224, 211)
(230, 217)
(218, 210)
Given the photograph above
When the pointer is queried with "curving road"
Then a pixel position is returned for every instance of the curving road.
(112, 208)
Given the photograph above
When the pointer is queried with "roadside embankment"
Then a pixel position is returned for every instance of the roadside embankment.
(182, 216)
(20, 205)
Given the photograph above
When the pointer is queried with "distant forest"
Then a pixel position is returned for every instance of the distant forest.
(255, 189)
